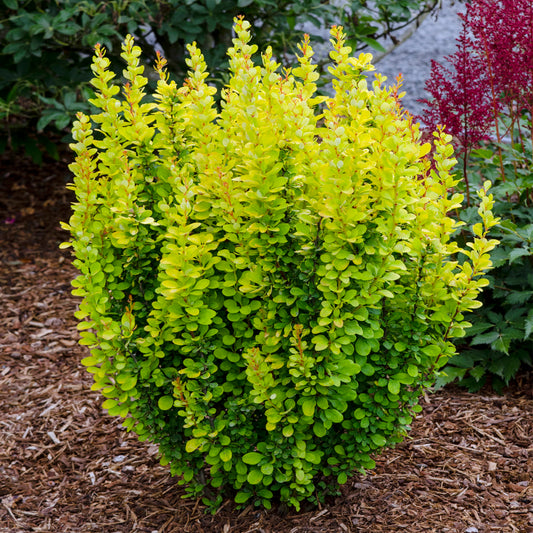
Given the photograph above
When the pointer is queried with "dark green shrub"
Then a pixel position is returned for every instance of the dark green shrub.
(267, 290)
(485, 98)
(45, 45)
(500, 343)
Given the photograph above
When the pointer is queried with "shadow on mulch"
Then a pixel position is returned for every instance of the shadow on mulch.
(65, 466)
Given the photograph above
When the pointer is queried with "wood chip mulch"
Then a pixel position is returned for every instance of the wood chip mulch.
(65, 466)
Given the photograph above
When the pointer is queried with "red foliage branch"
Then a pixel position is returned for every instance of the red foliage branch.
(490, 75)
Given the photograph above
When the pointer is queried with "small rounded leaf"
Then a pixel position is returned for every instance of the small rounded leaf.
(319, 430)
(242, 497)
(342, 478)
(308, 406)
(393, 386)
(379, 440)
(252, 458)
(165, 403)
(226, 455)
(412, 370)
(255, 477)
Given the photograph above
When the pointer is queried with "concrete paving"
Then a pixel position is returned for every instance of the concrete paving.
(434, 39)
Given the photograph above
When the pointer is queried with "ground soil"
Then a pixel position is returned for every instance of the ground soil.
(66, 466)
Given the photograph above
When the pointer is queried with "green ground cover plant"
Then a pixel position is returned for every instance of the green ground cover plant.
(484, 96)
(267, 289)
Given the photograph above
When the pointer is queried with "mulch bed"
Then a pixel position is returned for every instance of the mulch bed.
(66, 466)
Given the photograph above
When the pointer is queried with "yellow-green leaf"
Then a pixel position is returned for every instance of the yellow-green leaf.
(165, 403)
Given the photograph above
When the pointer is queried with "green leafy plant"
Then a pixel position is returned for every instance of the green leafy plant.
(485, 99)
(269, 288)
(499, 343)
(45, 53)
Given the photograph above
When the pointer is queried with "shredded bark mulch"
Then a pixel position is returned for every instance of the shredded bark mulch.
(66, 466)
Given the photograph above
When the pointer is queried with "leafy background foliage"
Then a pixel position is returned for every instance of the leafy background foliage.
(269, 288)
(499, 344)
(484, 96)
(46, 46)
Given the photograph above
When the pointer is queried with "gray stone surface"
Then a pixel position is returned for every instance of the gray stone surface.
(434, 39)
